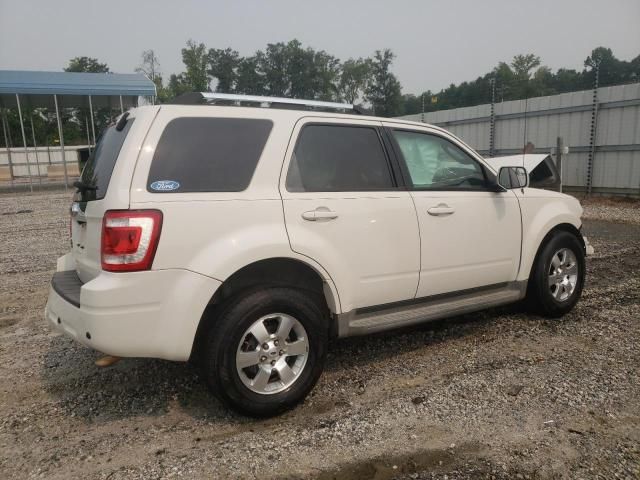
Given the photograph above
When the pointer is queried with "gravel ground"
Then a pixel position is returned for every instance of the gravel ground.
(499, 394)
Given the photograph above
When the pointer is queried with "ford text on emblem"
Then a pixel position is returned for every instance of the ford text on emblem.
(165, 185)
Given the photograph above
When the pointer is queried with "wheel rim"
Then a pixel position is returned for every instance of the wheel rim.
(563, 274)
(272, 353)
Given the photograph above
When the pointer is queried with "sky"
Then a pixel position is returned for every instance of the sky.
(436, 42)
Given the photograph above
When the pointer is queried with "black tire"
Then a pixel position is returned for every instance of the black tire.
(239, 314)
(539, 296)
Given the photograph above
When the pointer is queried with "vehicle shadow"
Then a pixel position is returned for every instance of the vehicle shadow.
(130, 388)
(380, 346)
(148, 387)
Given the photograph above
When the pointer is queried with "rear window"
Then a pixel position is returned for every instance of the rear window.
(330, 158)
(99, 167)
(198, 154)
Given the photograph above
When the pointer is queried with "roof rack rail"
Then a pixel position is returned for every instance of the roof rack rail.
(195, 98)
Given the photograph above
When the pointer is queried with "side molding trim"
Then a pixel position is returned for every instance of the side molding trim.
(402, 314)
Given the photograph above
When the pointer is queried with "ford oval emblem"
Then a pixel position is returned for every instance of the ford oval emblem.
(165, 185)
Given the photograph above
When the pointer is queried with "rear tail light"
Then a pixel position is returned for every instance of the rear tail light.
(130, 239)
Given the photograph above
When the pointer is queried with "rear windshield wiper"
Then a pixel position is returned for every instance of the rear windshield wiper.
(84, 187)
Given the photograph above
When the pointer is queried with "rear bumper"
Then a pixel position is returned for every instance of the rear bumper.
(136, 314)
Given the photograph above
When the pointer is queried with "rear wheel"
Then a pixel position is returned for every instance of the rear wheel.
(266, 350)
(558, 276)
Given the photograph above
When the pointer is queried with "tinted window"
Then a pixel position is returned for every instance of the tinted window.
(436, 163)
(207, 154)
(330, 158)
(99, 167)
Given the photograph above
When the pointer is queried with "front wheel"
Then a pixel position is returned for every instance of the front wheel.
(266, 350)
(558, 276)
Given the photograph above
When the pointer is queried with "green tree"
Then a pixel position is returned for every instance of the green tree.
(324, 72)
(273, 64)
(194, 57)
(354, 78)
(289, 70)
(249, 80)
(86, 64)
(612, 70)
(178, 84)
(523, 64)
(223, 66)
(384, 90)
(411, 104)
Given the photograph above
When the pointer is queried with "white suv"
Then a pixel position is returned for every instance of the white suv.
(246, 237)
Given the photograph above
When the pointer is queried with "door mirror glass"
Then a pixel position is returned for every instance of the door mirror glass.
(513, 177)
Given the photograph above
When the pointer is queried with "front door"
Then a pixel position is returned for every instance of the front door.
(470, 236)
(344, 210)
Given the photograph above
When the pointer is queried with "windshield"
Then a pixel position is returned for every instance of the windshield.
(97, 172)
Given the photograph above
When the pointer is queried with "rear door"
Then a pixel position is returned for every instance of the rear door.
(105, 180)
(343, 208)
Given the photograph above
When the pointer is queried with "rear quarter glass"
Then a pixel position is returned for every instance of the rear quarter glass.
(201, 154)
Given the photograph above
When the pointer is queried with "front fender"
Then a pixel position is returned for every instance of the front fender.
(540, 215)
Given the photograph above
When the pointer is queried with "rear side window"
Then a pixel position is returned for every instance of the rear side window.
(336, 158)
(198, 154)
(99, 167)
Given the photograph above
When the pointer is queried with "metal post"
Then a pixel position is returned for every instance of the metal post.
(64, 158)
(93, 127)
(5, 130)
(121, 106)
(86, 124)
(594, 128)
(24, 141)
(492, 120)
(559, 150)
(33, 134)
(422, 116)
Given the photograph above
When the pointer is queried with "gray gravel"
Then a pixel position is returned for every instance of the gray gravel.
(500, 394)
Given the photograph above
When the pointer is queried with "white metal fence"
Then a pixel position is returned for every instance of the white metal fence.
(607, 161)
(36, 161)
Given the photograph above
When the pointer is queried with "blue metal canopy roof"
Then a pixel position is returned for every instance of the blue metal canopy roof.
(68, 83)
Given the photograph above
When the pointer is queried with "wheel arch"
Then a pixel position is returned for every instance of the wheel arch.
(560, 227)
(271, 272)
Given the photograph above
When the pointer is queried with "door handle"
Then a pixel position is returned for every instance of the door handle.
(441, 209)
(319, 214)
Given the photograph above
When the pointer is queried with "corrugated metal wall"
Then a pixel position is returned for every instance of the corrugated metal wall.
(616, 161)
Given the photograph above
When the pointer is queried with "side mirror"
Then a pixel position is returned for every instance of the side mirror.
(513, 177)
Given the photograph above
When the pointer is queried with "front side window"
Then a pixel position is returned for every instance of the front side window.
(338, 158)
(200, 154)
(435, 163)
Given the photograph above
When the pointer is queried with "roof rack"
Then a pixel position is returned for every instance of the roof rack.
(211, 98)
